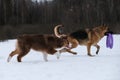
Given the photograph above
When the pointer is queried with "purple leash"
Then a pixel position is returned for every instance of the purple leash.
(109, 41)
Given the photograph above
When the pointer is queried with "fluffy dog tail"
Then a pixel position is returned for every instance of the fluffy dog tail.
(16, 51)
(57, 32)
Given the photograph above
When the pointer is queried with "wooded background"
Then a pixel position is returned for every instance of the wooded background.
(39, 17)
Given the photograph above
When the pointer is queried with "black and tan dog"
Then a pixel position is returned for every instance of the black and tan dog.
(87, 37)
(45, 43)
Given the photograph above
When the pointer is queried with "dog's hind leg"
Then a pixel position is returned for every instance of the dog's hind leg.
(22, 54)
(19, 57)
(88, 49)
(98, 48)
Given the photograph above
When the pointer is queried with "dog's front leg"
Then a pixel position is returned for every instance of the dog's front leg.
(98, 48)
(67, 50)
(58, 54)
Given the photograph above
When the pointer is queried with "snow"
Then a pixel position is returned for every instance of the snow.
(105, 66)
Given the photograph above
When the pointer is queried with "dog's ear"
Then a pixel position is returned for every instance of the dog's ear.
(104, 25)
(109, 30)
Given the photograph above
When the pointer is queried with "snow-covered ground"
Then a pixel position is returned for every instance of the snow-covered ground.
(105, 66)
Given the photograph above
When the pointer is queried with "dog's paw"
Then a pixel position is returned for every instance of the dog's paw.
(97, 52)
(46, 60)
(75, 53)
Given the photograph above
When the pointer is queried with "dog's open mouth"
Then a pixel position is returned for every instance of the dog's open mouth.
(69, 46)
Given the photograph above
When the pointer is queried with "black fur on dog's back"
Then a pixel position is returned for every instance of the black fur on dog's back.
(79, 35)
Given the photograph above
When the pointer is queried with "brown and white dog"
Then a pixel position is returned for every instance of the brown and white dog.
(44, 43)
(87, 37)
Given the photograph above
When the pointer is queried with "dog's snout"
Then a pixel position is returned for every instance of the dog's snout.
(106, 33)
